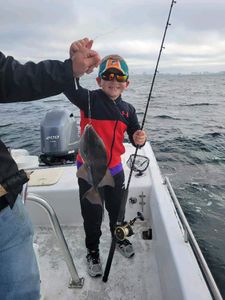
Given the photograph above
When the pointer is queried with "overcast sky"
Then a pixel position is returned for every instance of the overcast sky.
(195, 41)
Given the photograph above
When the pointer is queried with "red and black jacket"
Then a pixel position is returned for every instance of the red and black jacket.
(111, 119)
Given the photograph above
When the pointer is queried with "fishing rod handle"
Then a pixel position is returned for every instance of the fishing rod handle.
(109, 260)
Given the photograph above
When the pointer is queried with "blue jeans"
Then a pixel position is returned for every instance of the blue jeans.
(19, 274)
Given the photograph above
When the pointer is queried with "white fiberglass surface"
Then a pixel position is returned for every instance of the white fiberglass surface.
(133, 278)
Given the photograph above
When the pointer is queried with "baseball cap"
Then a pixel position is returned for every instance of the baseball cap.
(113, 62)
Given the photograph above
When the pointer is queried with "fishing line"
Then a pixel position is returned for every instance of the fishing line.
(124, 200)
(89, 108)
(105, 33)
(76, 81)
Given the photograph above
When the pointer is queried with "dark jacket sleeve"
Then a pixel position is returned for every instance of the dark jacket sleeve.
(78, 95)
(133, 125)
(33, 81)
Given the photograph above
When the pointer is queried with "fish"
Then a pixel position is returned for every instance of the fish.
(95, 168)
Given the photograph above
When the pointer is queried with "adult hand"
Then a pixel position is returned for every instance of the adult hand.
(78, 45)
(84, 60)
(139, 137)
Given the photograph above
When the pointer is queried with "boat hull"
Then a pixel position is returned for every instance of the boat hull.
(166, 269)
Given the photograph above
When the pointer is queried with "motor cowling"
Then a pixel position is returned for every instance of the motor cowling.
(59, 134)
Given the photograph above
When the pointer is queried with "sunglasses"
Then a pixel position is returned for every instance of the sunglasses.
(111, 76)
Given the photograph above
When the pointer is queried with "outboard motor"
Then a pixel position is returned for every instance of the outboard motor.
(59, 138)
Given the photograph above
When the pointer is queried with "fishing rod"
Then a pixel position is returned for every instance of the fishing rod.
(124, 200)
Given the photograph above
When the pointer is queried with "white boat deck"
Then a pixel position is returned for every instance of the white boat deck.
(126, 280)
(134, 278)
(162, 268)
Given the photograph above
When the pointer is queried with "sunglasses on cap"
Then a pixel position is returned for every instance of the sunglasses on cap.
(111, 76)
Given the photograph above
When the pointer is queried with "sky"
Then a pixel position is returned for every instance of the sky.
(44, 29)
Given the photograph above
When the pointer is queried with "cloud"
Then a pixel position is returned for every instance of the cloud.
(34, 30)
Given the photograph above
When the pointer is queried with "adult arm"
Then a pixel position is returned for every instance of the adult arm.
(33, 81)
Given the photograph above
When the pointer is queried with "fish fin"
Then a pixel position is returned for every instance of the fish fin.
(107, 180)
(82, 172)
(93, 196)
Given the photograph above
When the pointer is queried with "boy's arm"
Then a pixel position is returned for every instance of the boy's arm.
(136, 135)
(77, 95)
(133, 124)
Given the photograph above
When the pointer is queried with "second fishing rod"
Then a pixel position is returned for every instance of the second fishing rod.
(124, 200)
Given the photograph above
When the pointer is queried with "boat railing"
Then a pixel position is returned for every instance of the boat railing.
(189, 237)
(75, 282)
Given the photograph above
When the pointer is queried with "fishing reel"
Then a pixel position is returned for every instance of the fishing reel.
(125, 230)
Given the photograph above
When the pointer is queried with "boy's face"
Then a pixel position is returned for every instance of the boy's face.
(112, 88)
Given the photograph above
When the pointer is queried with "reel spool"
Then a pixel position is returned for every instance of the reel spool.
(125, 230)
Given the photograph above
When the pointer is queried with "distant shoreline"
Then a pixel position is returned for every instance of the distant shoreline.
(183, 74)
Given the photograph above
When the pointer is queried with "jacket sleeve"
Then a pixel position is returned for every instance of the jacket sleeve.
(133, 124)
(78, 95)
(33, 81)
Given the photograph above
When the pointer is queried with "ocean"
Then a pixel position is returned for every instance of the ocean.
(186, 127)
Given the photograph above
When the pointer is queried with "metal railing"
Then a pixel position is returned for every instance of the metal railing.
(189, 237)
(75, 282)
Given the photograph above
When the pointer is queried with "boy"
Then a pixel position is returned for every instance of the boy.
(111, 117)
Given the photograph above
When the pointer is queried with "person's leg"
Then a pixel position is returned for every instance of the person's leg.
(92, 216)
(19, 274)
(113, 197)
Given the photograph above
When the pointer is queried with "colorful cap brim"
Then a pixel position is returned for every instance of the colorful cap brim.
(110, 63)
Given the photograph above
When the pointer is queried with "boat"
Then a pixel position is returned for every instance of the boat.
(168, 263)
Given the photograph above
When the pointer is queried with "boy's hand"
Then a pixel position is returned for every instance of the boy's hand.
(84, 59)
(139, 137)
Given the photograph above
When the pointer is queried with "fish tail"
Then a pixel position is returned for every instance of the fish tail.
(93, 196)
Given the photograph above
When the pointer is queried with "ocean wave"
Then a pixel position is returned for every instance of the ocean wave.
(5, 125)
(207, 149)
(214, 134)
(166, 117)
(199, 104)
(2, 135)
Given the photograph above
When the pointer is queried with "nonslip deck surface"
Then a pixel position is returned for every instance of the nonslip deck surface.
(133, 278)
